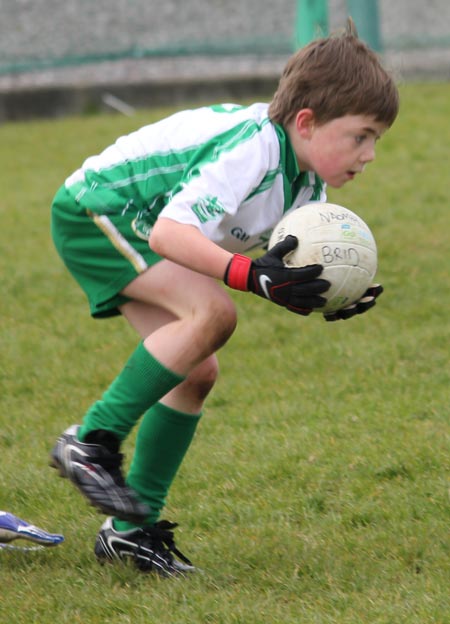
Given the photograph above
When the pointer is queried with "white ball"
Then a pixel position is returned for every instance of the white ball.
(336, 238)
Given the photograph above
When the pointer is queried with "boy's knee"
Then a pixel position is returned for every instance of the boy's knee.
(219, 321)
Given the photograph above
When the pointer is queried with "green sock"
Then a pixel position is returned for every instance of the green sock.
(162, 441)
(142, 382)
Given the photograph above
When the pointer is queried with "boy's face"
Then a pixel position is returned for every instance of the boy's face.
(339, 149)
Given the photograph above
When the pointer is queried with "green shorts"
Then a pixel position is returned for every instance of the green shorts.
(102, 252)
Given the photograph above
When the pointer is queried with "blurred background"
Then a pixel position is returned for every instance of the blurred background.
(79, 56)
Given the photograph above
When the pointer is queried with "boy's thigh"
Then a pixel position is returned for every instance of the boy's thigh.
(145, 318)
(180, 291)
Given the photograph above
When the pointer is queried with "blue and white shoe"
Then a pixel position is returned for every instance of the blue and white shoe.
(12, 528)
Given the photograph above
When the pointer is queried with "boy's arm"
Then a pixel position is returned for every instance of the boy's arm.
(296, 289)
(186, 245)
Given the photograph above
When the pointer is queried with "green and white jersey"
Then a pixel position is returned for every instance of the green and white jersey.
(226, 169)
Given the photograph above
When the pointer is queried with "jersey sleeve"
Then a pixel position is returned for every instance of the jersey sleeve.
(222, 174)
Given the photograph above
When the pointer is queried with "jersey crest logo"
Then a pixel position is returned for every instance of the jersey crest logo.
(208, 208)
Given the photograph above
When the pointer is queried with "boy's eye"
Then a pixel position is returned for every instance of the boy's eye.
(360, 138)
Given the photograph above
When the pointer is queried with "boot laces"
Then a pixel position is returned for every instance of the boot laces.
(159, 538)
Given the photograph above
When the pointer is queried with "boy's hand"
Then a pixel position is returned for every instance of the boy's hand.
(367, 301)
(297, 289)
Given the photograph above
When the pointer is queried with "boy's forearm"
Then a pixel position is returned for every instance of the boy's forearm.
(186, 245)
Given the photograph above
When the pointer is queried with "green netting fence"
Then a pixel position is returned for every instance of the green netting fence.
(42, 34)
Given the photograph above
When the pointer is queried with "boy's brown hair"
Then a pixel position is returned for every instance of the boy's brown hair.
(335, 76)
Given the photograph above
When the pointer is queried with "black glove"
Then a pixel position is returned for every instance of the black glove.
(367, 301)
(297, 289)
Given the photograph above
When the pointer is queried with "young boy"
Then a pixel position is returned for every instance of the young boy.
(151, 225)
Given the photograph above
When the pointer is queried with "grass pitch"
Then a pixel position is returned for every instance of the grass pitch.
(317, 487)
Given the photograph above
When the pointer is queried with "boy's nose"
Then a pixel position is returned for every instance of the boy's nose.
(368, 155)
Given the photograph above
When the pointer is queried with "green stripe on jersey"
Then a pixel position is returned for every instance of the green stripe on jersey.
(266, 183)
(212, 150)
(153, 179)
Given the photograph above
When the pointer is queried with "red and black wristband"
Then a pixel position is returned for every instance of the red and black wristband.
(238, 269)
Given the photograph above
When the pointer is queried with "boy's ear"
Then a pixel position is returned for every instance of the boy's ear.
(304, 122)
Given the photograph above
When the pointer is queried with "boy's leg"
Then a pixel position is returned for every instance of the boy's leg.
(202, 319)
(167, 428)
(204, 316)
(142, 382)
(184, 317)
(164, 436)
(162, 441)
